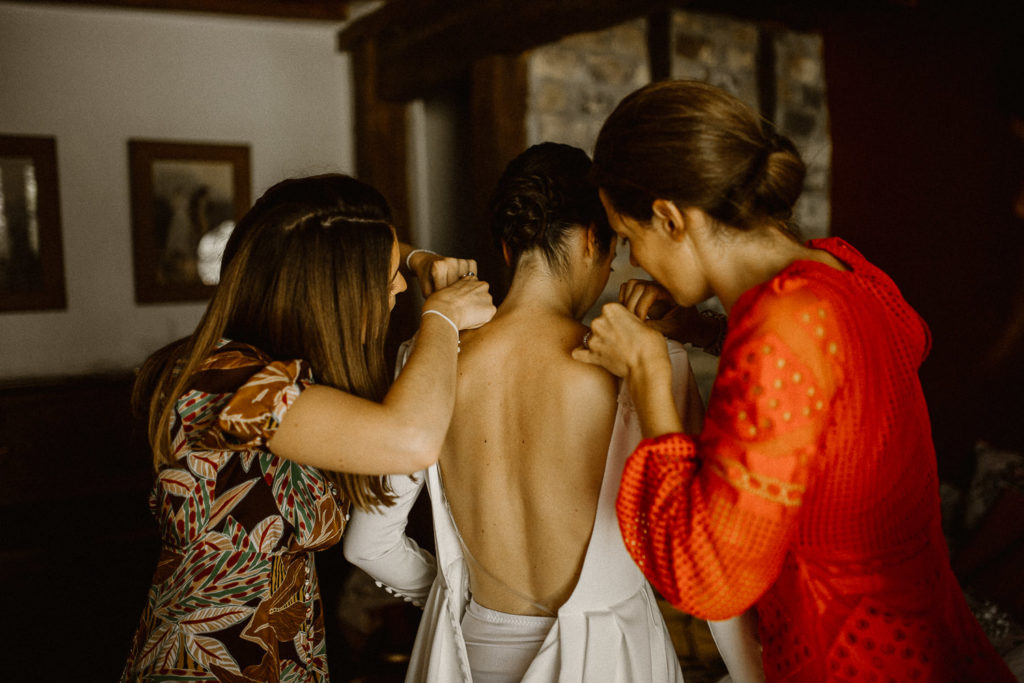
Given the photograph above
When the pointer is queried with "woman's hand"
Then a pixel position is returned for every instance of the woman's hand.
(436, 272)
(620, 343)
(652, 303)
(646, 299)
(623, 345)
(467, 302)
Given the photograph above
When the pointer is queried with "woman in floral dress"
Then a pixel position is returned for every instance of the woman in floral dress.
(275, 416)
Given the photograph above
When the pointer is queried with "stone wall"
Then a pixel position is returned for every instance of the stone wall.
(574, 84)
(716, 50)
(801, 112)
(725, 52)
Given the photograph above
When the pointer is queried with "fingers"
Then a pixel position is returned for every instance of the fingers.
(468, 300)
(664, 326)
(445, 272)
(586, 355)
(627, 288)
(603, 344)
(644, 298)
(620, 342)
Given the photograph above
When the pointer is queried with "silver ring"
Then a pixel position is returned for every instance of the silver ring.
(469, 274)
(586, 340)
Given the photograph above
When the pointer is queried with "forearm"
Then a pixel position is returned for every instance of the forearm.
(423, 395)
(650, 385)
(376, 542)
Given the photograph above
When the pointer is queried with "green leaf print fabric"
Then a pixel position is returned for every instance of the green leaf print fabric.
(235, 594)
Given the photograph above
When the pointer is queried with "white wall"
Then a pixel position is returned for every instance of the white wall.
(93, 78)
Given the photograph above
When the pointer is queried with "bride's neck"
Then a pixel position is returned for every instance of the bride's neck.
(536, 288)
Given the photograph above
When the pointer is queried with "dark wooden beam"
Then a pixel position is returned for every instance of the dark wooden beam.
(321, 10)
(423, 44)
(659, 44)
(381, 136)
(498, 99)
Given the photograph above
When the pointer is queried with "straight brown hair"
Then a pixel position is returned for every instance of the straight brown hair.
(305, 276)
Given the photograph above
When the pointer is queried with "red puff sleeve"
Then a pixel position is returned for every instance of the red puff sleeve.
(709, 520)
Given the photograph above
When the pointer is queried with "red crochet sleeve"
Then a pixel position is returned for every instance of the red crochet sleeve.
(709, 520)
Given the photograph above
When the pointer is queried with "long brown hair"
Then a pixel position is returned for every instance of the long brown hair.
(695, 144)
(305, 275)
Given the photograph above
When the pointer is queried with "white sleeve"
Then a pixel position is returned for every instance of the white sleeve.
(376, 543)
(739, 647)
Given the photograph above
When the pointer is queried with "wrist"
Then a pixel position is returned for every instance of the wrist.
(650, 385)
(451, 324)
(414, 258)
(443, 307)
(649, 368)
(713, 328)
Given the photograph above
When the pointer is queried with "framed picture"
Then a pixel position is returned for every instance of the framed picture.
(186, 198)
(31, 255)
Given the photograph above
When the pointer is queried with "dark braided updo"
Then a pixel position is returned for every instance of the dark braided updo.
(542, 195)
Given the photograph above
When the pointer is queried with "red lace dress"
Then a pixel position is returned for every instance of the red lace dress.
(812, 490)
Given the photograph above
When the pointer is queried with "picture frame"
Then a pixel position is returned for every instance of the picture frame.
(31, 249)
(185, 199)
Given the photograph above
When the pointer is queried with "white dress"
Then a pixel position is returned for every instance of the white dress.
(609, 630)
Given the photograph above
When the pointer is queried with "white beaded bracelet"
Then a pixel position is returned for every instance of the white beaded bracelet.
(409, 255)
(455, 327)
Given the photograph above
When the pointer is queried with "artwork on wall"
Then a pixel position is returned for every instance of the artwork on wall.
(31, 254)
(186, 198)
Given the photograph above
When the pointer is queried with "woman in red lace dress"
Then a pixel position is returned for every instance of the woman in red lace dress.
(812, 490)
(275, 417)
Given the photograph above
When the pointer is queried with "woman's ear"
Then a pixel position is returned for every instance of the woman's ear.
(590, 245)
(667, 217)
(507, 253)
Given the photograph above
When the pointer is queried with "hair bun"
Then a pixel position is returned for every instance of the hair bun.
(780, 180)
(524, 217)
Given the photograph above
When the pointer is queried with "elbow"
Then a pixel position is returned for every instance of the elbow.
(420, 449)
(422, 459)
(354, 553)
(363, 546)
(351, 552)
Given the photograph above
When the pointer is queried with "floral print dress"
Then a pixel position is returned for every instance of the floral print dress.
(235, 594)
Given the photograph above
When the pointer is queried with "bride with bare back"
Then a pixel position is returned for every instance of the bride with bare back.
(532, 581)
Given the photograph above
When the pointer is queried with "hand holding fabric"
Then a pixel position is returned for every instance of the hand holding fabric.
(653, 304)
(467, 302)
(436, 272)
(624, 346)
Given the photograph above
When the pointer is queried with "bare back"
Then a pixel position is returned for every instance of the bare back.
(524, 458)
